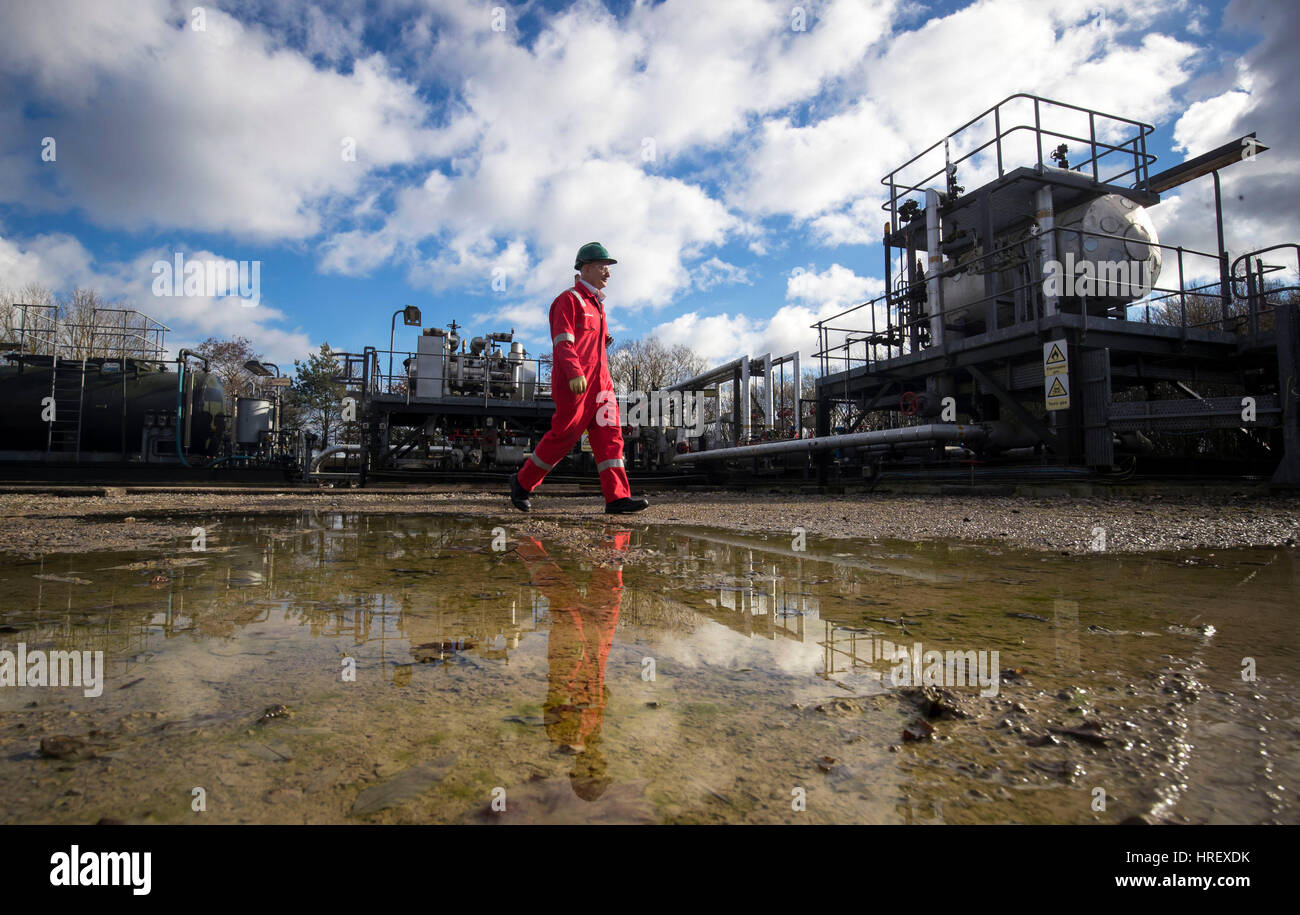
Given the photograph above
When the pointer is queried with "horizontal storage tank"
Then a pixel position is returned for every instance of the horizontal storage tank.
(1118, 239)
(145, 387)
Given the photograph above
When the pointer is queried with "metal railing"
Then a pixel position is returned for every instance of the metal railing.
(1132, 148)
(1250, 283)
(121, 333)
(462, 376)
(899, 321)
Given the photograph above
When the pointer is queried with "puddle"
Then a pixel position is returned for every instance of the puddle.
(373, 669)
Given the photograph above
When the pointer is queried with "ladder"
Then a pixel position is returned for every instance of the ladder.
(67, 388)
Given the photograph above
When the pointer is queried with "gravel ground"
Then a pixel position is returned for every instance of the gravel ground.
(36, 523)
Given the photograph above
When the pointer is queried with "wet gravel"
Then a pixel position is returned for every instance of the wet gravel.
(38, 522)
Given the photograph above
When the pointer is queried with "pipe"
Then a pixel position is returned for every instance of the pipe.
(931, 432)
(180, 381)
(180, 396)
(201, 358)
(798, 392)
(330, 452)
(934, 267)
(1046, 217)
(722, 373)
(356, 449)
(746, 424)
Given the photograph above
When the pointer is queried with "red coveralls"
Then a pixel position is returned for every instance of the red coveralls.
(578, 331)
(582, 633)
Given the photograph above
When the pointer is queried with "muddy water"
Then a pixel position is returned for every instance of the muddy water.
(352, 668)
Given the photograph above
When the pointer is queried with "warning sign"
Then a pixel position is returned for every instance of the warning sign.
(1055, 360)
(586, 443)
(1058, 392)
(1056, 374)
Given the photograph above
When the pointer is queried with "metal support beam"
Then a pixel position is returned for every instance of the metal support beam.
(1027, 419)
(1288, 380)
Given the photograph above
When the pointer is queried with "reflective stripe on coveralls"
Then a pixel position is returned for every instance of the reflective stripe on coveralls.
(539, 462)
(563, 337)
(605, 465)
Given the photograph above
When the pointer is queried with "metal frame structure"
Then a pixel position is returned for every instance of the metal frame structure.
(894, 364)
(395, 424)
(990, 360)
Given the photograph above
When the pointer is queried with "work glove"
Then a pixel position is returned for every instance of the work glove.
(578, 385)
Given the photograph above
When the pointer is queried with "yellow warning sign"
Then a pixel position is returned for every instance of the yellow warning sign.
(1058, 393)
(586, 443)
(1055, 360)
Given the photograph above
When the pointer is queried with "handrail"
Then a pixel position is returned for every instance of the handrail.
(1259, 252)
(1134, 145)
(1189, 283)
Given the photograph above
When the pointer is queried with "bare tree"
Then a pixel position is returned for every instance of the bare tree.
(649, 365)
(14, 324)
(77, 323)
(226, 360)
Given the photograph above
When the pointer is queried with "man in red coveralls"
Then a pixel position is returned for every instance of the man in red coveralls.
(583, 390)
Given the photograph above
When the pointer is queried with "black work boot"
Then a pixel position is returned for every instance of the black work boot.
(519, 495)
(626, 506)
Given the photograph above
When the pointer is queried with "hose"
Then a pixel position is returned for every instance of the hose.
(180, 382)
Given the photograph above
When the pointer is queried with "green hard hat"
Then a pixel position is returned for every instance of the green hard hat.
(592, 251)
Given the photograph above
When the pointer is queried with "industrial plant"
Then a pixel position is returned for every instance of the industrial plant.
(1033, 327)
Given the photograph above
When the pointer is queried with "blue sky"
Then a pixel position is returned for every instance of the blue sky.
(728, 158)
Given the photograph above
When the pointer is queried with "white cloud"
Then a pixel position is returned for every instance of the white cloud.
(811, 297)
(1261, 204)
(488, 157)
(53, 260)
(60, 262)
(904, 94)
(219, 130)
(548, 143)
(835, 286)
(717, 272)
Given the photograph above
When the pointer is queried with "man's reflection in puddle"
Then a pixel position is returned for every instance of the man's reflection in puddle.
(582, 631)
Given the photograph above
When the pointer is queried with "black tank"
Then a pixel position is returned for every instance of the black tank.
(144, 387)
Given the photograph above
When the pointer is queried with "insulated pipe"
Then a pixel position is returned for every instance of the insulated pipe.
(356, 449)
(767, 391)
(1044, 213)
(746, 426)
(934, 266)
(932, 432)
(330, 452)
(798, 407)
(722, 373)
